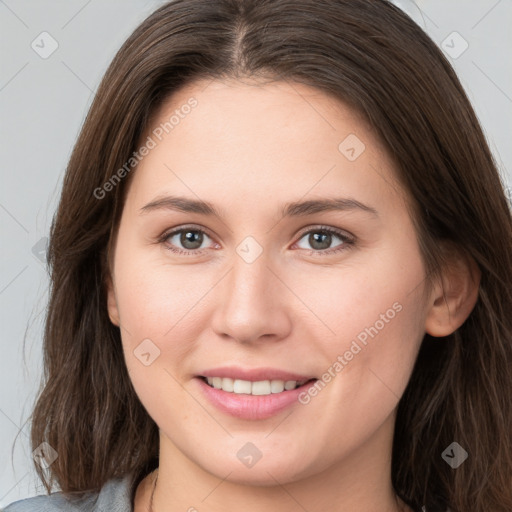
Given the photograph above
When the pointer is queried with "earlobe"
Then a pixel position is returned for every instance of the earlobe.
(453, 298)
(113, 311)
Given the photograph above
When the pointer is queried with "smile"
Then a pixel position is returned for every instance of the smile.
(252, 400)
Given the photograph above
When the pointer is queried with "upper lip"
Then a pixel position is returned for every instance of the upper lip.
(254, 374)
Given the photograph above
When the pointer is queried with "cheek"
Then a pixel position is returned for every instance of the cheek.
(159, 326)
(375, 295)
(155, 297)
(153, 300)
(376, 318)
(158, 318)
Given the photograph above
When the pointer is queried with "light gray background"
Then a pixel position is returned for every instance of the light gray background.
(43, 103)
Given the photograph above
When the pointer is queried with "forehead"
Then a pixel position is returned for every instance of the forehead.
(259, 141)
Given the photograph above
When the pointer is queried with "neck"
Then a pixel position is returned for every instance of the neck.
(361, 482)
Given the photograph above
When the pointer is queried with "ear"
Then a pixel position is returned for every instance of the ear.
(455, 296)
(113, 311)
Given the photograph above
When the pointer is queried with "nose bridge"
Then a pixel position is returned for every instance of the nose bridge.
(250, 274)
(249, 283)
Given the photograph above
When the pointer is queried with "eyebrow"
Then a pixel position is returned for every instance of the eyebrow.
(293, 209)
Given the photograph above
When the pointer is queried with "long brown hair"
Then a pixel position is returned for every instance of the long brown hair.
(374, 58)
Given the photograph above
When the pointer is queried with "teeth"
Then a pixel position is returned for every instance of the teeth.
(228, 384)
(262, 387)
(242, 386)
(247, 387)
(290, 384)
(276, 386)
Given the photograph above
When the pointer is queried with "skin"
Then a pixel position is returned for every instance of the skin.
(248, 147)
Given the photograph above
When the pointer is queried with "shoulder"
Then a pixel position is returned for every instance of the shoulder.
(114, 496)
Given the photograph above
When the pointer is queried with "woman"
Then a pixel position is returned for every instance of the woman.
(336, 333)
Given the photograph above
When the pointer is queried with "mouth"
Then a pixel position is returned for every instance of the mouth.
(255, 388)
(256, 393)
(252, 393)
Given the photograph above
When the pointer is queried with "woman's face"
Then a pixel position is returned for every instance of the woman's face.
(259, 291)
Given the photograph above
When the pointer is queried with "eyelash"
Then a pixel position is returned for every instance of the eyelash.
(348, 242)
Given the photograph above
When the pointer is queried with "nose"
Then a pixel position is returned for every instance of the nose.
(252, 303)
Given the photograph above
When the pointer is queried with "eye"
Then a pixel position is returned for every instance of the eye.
(190, 238)
(321, 239)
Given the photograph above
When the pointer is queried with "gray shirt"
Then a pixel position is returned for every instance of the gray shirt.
(114, 496)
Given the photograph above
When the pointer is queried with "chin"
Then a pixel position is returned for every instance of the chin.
(262, 473)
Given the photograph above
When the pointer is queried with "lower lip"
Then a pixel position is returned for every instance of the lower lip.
(252, 407)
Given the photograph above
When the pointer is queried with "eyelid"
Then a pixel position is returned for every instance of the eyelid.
(331, 229)
(177, 229)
